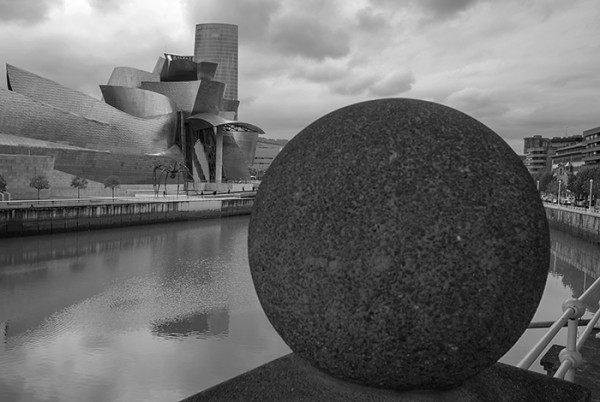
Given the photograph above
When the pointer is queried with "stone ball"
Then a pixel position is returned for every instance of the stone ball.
(399, 244)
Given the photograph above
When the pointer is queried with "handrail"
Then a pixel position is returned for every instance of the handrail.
(535, 352)
(593, 287)
(588, 330)
(570, 356)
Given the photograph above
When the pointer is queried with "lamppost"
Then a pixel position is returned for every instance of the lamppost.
(590, 200)
(559, 183)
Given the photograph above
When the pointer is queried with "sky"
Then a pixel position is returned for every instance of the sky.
(522, 67)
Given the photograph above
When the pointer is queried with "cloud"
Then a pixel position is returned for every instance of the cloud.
(370, 21)
(444, 9)
(106, 5)
(309, 38)
(325, 72)
(480, 102)
(26, 10)
(393, 84)
(253, 17)
(522, 68)
(354, 85)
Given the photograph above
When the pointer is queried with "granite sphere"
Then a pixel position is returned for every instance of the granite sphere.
(400, 244)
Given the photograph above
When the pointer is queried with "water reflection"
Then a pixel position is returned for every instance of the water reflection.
(577, 264)
(197, 325)
(573, 268)
(143, 313)
(160, 312)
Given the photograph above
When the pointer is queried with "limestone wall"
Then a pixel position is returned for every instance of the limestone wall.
(18, 170)
(577, 222)
(31, 219)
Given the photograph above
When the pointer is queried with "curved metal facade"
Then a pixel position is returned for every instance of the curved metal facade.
(130, 77)
(182, 93)
(175, 113)
(138, 102)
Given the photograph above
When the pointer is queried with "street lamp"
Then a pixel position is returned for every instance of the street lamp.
(559, 183)
(590, 200)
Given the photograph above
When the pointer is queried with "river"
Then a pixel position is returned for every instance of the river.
(160, 312)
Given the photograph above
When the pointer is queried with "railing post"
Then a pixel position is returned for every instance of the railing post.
(570, 358)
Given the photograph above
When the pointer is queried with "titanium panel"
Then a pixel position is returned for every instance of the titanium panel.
(138, 102)
(130, 77)
(183, 93)
(91, 164)
(25, 117)
(209, 97)
(153, 135)
(180, 70)
(205, 120)
(207, 70)
(235, 166)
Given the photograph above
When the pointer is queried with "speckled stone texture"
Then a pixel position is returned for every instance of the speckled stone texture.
(289, 378)
(398, 244)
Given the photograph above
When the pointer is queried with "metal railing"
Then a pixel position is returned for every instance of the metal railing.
(140, 198)
(570, 357)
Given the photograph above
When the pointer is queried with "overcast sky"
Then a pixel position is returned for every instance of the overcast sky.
(522, 67)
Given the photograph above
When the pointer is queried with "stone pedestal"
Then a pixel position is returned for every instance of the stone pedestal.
(290, 378)
(400, 248)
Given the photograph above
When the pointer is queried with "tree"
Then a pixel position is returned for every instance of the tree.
(2, 184)
(544, 177)
(112, 182)
(80, 183)
(580, 185)
(39, 182)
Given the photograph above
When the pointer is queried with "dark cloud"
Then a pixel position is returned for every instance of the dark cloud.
(26, 10)
(253, 17)
(106, 5)
(480, 103)
(83, 68)
(370, 21)
(310, 38)
(356, 85)
(290, 29)
(433, 9)
(443, 9)
(394, 84)
(320, 73)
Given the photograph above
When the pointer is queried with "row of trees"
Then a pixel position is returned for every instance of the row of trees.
(40, 182)
(578, 184)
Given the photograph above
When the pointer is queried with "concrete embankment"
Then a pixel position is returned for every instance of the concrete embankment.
(22, 219)
(578, 222)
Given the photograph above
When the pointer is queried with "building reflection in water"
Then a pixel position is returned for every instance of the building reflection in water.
(577, 263)
(98, 309)
(214, 323)
(43, 275)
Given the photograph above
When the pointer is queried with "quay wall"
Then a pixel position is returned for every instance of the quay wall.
(34, 219)
(577, 221)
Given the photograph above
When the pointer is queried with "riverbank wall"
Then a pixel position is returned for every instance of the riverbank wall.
(34, 218)
(576, 221)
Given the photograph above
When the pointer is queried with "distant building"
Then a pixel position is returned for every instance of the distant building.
(539, 151)
(218, 43)
(266, 151)
(572, 155)
(592, 146)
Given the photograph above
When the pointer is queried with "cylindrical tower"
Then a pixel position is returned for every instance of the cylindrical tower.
(218, 43)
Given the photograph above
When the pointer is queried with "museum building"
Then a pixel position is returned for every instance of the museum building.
(172, 122)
